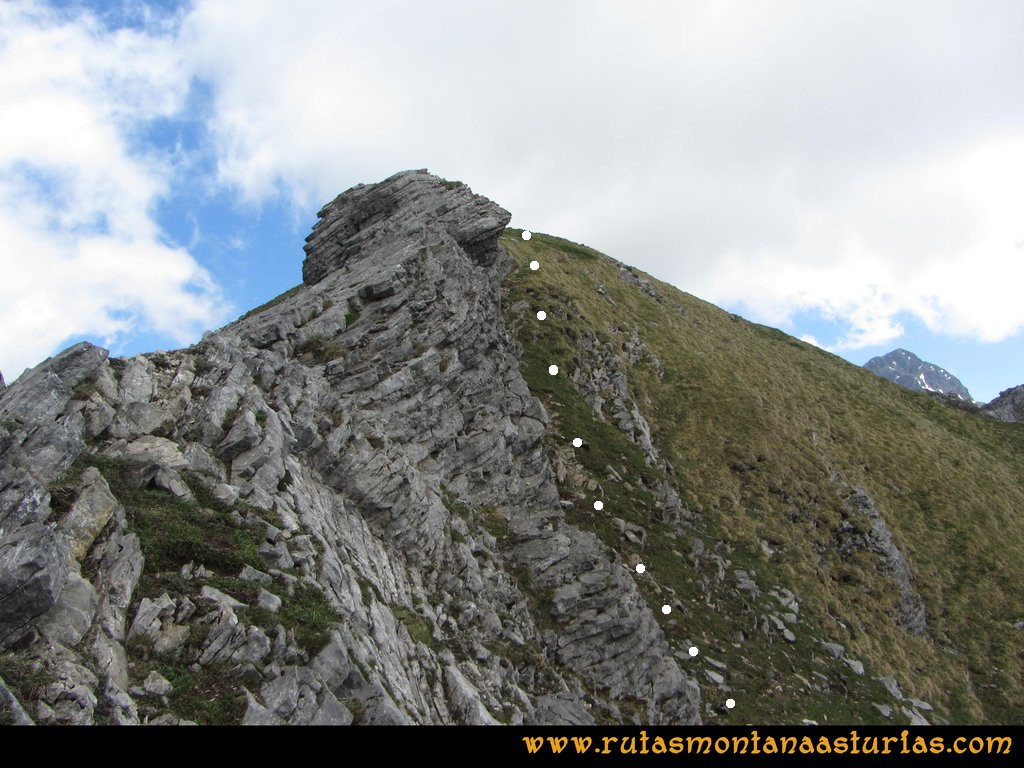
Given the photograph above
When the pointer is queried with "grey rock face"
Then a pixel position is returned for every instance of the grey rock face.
(837, 651)
(33, 567)
(70, 618)
(908, 370)
(628, 274)
(89, 514)
(11, 710)
(856, 666)
(43, 423)
(488, 468)
(1009, 406)
(369, 418)
(602, 382)
(879, 540)
(156, 684)
(297, 698)
(43, 434)
(360, 220)
(43, 393)
(560, 709)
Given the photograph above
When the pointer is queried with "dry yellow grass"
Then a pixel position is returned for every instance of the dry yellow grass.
(950, 485)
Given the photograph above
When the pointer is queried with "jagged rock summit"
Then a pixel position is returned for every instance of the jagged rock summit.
(908, 370)
(1008, 406)
(337, 509)
(400, 210)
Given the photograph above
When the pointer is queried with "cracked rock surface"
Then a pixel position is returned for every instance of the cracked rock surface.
(338, 509)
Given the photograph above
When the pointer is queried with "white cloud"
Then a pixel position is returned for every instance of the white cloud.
(938, 240)
(859, 160)
(81, 252)
(296, 104)
(862, 160)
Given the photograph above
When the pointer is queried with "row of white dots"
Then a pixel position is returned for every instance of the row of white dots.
(599, 505)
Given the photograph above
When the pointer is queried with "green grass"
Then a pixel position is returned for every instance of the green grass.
(83, 390)
(161, 360)
(494, 522)
(492, 519)
(210, 696)
(173, 531)
(420, 629)
(202, 365)
(230, 415)
(274, 301)
(306, 612)
(754, 423)
(351, 316)
(117, 366)
(454, 505)
(319, 349)
(26, 678)
(285, 482)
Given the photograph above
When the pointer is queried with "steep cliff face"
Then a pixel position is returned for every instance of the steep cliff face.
(339, 507)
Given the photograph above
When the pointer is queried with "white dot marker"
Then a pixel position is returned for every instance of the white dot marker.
(693, 650)
(527, 234)
(598, 505)
(535, 265)
(542, 315)
(553, 370)
(730, 703)
(640, 567)
(666, 609)
(577, 442)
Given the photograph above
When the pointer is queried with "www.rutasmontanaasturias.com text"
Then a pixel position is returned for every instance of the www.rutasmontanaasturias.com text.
(756, 744)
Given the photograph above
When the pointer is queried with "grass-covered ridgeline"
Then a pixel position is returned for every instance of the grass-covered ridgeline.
(761, 430)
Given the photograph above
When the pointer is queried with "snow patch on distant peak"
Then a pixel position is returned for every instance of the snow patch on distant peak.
(908, 370)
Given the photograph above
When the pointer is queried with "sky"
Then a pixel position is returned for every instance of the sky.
(850, 172)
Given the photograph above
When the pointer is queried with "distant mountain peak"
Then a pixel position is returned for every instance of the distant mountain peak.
(908, 370)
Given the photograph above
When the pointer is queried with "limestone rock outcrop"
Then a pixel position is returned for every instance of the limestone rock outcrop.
(1009, 406)
(337, 509)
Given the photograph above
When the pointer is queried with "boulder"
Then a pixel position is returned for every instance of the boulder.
(33, 571)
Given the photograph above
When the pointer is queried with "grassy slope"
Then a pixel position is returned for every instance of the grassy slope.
(755, 424)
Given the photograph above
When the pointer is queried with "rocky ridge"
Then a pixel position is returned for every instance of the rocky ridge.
(360, 503)
(1008, 406)
(365, 450)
